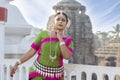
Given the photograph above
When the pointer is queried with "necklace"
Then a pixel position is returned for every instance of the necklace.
(50, 55)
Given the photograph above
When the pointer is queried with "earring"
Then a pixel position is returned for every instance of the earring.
(68, 24)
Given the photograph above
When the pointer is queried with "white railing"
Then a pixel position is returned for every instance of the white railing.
(71, 70)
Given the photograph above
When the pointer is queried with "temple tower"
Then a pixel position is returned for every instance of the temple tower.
(80, 30)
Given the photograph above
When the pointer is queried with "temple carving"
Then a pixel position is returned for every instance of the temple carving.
(80, 30)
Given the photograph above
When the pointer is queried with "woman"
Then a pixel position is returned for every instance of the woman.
(52, 46)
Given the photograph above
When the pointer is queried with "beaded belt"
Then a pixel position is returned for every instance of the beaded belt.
(48, 71)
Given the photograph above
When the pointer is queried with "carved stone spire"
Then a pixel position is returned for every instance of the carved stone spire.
(69, 4)
(80, 30)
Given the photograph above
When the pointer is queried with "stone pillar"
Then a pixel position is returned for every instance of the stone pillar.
(2, 40)
(3, 19)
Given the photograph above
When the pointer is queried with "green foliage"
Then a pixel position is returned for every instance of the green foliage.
(116, 31)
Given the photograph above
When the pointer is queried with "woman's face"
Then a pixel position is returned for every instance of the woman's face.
(60, 22)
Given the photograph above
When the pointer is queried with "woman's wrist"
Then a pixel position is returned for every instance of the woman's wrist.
(62, 43)
(18, 62)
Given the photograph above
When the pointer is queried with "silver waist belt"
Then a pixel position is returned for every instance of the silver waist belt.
(48, 71)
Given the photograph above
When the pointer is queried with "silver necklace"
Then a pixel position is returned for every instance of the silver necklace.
(52, 58)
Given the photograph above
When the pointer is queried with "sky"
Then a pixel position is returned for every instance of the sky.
(104, 14)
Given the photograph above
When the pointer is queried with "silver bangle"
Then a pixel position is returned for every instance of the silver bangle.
(19, 62)
(61, 43)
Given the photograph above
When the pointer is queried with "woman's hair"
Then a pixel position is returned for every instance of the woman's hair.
(58, 13)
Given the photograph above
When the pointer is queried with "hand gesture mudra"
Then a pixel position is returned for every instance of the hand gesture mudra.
(13, 70)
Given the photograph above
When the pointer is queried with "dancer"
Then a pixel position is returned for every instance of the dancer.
(52, 47)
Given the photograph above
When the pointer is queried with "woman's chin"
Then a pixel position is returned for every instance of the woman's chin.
(60, 28)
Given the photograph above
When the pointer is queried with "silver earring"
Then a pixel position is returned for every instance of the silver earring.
(68, 24)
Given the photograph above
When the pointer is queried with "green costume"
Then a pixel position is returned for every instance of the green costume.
(44, 68)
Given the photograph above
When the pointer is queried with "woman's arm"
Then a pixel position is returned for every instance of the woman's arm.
(31, 52)
(66, 53)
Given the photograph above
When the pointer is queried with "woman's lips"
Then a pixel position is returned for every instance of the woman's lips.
(60, 25)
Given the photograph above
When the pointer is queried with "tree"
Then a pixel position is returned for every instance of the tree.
(116, 31)
(103, 37)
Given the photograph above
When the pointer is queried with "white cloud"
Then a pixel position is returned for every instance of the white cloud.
(107, 11)
(36, 12)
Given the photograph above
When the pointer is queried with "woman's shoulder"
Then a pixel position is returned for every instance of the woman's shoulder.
(42, 32)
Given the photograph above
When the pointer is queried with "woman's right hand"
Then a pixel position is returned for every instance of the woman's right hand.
(14, 68)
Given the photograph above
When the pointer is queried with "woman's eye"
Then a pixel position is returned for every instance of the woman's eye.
(63, 20)
(58, 19)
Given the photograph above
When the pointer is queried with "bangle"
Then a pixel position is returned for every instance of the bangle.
(19, 62)
(61, 43)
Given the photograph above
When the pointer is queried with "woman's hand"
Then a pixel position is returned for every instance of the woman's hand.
(64, 49)
(31, 52)
(59, 35)
(13, 70)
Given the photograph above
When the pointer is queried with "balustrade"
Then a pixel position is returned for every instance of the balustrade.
(72, 71)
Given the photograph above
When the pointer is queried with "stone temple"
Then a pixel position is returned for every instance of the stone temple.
(80, 30)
